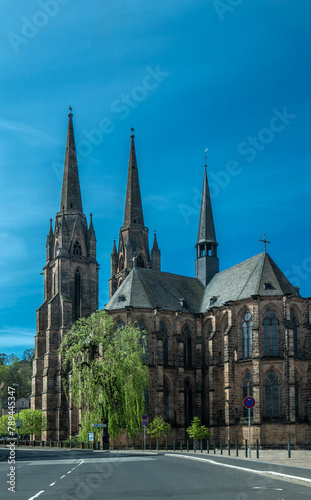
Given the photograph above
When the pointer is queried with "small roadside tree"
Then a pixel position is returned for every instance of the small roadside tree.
(158, 428)
(197, 431)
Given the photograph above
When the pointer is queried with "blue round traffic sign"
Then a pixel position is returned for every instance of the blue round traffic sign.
(249, 402)
(145, 416)
(145, 423)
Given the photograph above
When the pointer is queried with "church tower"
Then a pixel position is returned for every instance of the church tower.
(133, 248)
(207, 262)
(70, 292)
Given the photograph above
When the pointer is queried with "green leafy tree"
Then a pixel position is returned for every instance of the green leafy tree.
(158, 428)
(108, 378)
(13, 370)
(4, 422)
(32, 422)
(197, 431)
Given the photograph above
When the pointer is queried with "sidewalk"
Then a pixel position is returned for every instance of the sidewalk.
(299, 458)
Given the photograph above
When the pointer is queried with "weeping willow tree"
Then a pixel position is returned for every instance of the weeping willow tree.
(108, 378)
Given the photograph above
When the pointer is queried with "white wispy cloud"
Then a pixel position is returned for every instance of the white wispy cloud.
(11, 337)
(24, 128)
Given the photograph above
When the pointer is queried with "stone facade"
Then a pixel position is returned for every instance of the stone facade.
(212, 340)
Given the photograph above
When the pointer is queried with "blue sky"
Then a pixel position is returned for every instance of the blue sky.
(233, 76)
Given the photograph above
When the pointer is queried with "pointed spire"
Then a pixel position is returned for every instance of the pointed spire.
(50, 235)
(71, 195)
(133, 213)
(91, 227)
(114, 248)
(155, 243)
(206, 233)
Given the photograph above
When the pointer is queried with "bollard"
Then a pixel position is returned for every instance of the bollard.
(221, 446)
(288, 448)
(207, 445)
(174, 445)
(214, 446)
(257, 448)
(194, 445)
(246, 448)
(142, 446)
(127, 444)
(201, 446)
(120, 446)
(236, 448)
(187, 444)
(81, 445)
(228, 446)
(180, 445)
(157, 445)
(150, 445)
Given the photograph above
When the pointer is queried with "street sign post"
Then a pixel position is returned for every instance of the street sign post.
(249, 402)
(103, 426)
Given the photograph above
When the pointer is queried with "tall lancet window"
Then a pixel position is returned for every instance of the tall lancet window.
(188, 402)
(270, 324)
(77, 296)
(295, 332)
(247, 334)
(165, 343)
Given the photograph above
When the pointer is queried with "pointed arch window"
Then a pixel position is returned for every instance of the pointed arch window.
(247, 335)
(166, 400)
(140, 261)
(77, 296)
(188, 402)
(187, 346)
(165, 343)
(77, 249)
(295, 332)
(270, 325)
(271, 395)
(247, 391)
(121, 263)
(142, 326)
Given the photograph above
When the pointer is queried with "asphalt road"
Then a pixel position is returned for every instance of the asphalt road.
(75, 475)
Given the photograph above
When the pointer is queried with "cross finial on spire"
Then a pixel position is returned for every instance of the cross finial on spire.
(205, 156)
(70, 111)
(132, 130)
(265, 242)
(134, 258)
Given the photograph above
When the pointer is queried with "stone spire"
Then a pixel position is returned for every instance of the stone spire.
(133, 213)
(207, 262)
(206, 233)
(71, 195)
(155, 255)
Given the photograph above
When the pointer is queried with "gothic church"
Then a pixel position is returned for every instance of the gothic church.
(212, 339)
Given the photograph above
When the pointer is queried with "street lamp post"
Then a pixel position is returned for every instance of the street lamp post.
(17, 385)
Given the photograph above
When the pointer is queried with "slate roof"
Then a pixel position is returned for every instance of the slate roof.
(246, 279)
(146, 289)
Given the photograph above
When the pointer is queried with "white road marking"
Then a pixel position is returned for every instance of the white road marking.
(266, 488)
(73, 461)
(61, 477)
(263, 472)
(36, 496)
(52, 484)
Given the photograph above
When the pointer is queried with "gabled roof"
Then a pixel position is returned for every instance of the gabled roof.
(258, 275)
(147, 289)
